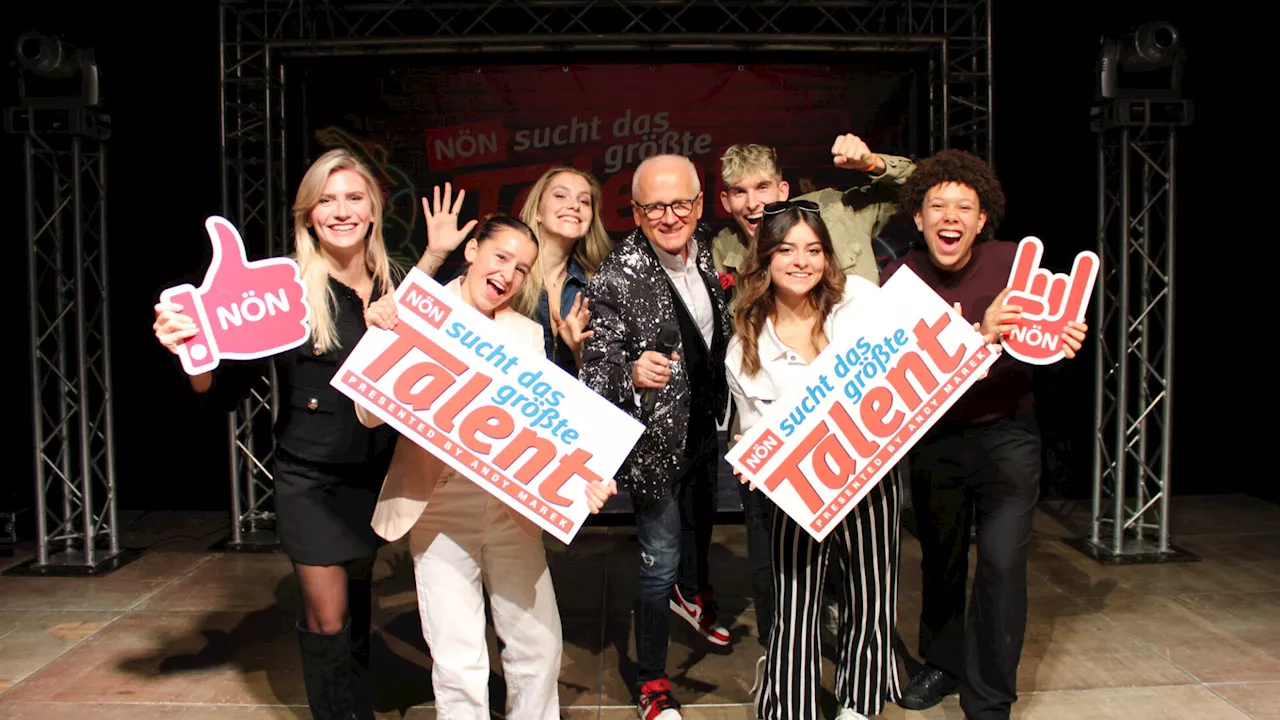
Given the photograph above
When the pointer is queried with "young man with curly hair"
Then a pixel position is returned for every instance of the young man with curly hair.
(981, 462)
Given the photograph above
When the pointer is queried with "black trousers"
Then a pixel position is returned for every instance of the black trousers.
(757, 516)
(989, 474)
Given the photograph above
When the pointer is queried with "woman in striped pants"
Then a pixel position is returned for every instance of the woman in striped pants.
(793, 297)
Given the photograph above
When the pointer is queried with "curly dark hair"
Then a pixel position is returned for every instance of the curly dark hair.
(955, 166)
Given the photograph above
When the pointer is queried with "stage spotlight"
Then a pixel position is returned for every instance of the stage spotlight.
(51, 58)
(1145, 64)
(46, 55)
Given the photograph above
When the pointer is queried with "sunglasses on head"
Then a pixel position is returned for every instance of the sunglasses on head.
(774, 208)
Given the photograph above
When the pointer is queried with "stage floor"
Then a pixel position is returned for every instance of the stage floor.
(190, 633)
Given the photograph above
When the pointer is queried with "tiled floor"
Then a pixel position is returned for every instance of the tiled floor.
(189, 633)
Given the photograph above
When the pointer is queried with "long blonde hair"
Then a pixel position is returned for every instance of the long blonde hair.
(312, 258)
(590, 251)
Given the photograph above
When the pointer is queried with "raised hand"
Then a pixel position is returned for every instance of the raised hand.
(572, 329)
(443, 234)
(851, 153)
(1051, 325)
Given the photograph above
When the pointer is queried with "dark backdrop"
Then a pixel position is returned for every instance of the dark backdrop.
(160, 81)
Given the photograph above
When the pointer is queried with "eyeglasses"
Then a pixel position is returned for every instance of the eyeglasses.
(656, 211)
(774, 208)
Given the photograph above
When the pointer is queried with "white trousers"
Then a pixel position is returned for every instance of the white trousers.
(465, 542)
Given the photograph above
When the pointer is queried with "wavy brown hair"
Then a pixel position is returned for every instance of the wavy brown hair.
(757, 302)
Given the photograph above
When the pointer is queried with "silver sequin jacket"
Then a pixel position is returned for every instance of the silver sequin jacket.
(631, 297)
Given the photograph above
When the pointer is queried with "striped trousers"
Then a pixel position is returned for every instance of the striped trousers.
(866, 665)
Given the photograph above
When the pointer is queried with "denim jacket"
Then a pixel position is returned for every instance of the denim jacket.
(574, 282)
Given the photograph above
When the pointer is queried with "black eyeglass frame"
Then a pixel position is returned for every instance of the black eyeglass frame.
(661, 208)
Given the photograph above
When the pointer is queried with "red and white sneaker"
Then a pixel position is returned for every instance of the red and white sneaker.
(701, 614)
(656, 702)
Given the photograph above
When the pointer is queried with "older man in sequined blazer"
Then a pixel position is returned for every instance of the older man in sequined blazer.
(662, 275)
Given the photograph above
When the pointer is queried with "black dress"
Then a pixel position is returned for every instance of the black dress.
(328, 467)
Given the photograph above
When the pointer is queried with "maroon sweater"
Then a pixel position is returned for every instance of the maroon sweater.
(1007, 390)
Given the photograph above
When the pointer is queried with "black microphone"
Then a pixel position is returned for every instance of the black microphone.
(668, 340)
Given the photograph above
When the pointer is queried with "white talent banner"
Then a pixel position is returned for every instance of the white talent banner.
(902, 359)
(509, 419)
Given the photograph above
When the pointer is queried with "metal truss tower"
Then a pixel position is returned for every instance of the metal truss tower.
(68, 314)
(258, 35)
(1133, 321)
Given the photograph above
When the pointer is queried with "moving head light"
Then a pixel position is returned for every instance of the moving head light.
(1145, 64)
(50, 58)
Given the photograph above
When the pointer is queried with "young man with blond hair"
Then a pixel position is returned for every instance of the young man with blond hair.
(752, 180)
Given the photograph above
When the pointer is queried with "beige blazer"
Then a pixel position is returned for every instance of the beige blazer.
(415, 473)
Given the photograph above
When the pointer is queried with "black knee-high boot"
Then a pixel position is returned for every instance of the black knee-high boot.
(337, 687)
(360, 608)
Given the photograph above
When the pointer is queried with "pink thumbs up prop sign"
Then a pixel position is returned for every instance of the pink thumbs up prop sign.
(243, 310)
(1049, 301)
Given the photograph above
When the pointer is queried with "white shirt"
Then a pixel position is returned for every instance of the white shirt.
(688, 283)
(781, 368)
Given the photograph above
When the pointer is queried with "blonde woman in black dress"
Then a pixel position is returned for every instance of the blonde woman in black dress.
(328, 467)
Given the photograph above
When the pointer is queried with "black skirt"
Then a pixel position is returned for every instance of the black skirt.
(323, 510)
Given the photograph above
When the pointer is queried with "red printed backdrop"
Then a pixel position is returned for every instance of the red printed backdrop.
(494, 129)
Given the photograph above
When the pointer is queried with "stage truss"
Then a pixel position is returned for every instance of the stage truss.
(1133, 321)
(68, 320)
(257, 36)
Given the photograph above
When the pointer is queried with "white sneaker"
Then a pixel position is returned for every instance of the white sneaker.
(850, 714)
(758, 685)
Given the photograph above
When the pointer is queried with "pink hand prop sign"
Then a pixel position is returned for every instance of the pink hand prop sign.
(1049, 301)
(243, 310)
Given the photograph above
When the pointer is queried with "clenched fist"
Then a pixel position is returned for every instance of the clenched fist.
(851, 153)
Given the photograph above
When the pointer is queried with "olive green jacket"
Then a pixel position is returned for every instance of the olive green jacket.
(853, 218)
